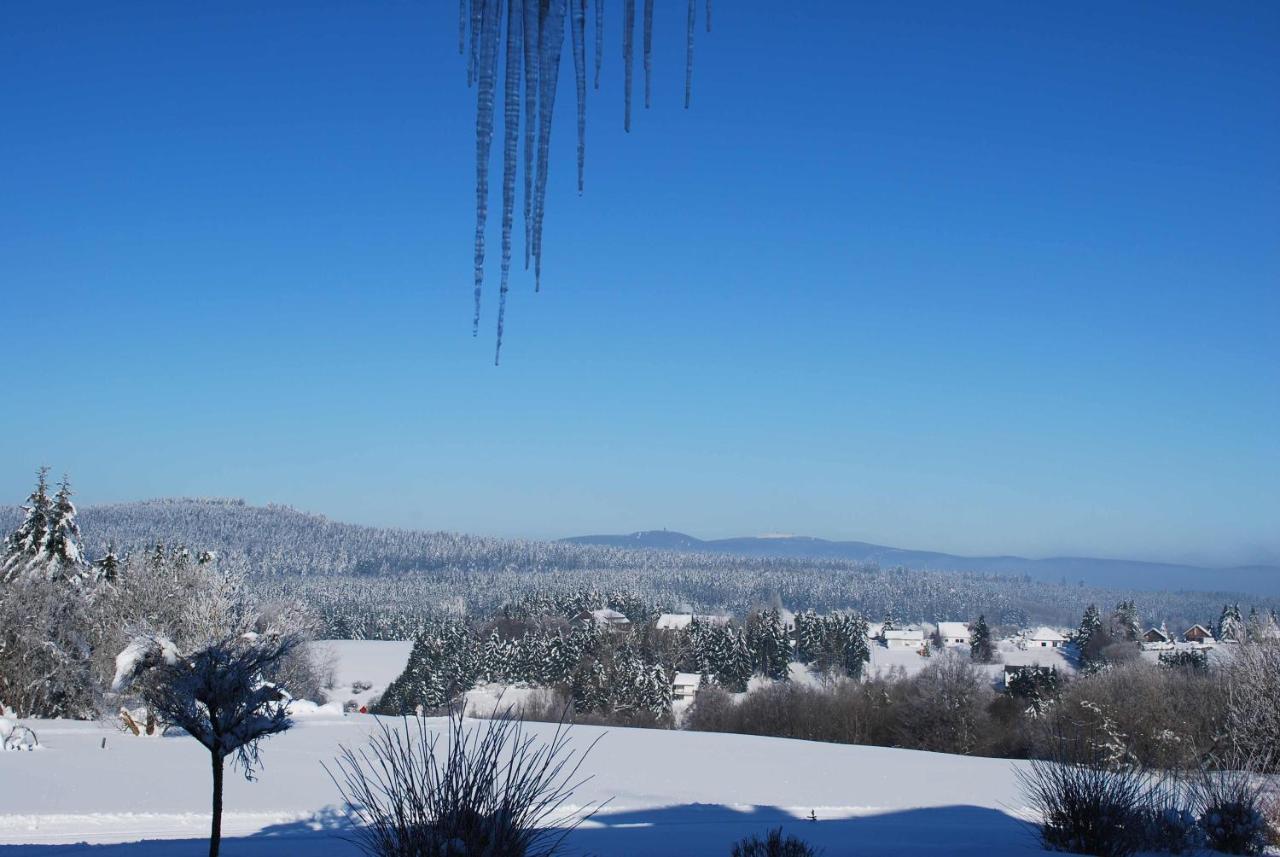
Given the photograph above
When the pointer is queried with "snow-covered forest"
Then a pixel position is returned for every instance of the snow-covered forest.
(383, 582)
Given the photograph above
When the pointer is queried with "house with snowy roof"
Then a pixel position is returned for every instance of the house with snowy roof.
(904, 638)
(954, 633)
(685, 686)
(1044, 638)
(605, 618)
(1198, 634)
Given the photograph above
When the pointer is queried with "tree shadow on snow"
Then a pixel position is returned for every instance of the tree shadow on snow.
(689, 830)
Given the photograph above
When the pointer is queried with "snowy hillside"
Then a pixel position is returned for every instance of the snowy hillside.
(673, 793)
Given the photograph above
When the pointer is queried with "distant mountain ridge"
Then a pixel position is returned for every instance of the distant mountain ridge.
(1093, 571)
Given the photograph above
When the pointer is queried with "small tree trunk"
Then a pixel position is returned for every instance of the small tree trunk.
(215, 829)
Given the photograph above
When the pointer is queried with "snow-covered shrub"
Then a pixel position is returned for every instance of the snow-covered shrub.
(1171, 823)
(1087, 805)
(492, 791)
(1231, 805)
(358, 686)
(1271, 814)
(773, 845)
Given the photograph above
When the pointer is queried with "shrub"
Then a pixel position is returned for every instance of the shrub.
(492, 791)
(1086, 805)
(1171, 825)
(1231, 805)
(1271, 812)
(773, 845)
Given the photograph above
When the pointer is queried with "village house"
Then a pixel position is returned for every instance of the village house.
(1157, 639)
(685, 686)
(954, 633)
(1044, 638)
(905, 638)
(1155, 635)
(1198, 634)
(605, 618)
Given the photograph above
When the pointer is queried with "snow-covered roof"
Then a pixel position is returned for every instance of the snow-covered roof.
(609, 617)
(1044, 633)
(953, 629)
(874, 629)
(904, 634)
(687, 679)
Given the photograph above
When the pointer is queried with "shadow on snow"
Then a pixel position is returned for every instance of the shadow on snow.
(690, 830)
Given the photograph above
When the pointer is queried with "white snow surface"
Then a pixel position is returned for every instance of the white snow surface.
(375, 662)
(671, 792)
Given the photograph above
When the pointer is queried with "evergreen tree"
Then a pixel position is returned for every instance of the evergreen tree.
(1124, 622)
(63, 551)
(26, 545)
(770, 645)
(980, 646)
(1090, 625)
(1231, 624)
(107, 569)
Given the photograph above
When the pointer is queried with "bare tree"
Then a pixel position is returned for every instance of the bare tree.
(1253, 702)
(221, 696)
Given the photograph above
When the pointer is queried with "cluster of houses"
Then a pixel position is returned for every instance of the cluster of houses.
(1159, 639)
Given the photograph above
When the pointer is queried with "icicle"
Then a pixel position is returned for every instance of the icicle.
(648, 52)
(708, 16)
(486, 78)
(628, 42)
(510, 149)
(462, 27)
(580, 77)
(477, 24)
(551, 42)
(689, 54)
(532, 33)
(599, 39)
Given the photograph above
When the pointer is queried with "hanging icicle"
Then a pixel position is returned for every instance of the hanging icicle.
(477, 27)
(486, 82)
(532, 30)
(648, 53)
(628, 50)
(580, 78)
(535, 35)
(510, 148)
(462, 27)
(550, 42)
(599, 39)
(688, 54)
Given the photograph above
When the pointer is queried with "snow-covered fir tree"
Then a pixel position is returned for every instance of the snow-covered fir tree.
(981, 648)
(1231, 624)
(27, 545)
(1124, 622)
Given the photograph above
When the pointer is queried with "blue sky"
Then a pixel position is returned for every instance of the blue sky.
(973, 277)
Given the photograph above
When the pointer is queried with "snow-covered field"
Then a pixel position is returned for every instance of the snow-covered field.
(671, 792)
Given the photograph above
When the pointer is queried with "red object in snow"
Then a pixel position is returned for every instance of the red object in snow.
(364, 709)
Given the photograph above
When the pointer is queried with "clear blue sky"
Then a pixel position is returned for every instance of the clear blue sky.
(966, 276)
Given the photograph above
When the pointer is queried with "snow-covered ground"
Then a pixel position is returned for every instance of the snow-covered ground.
(670, 792)
(885, 661)
(376, 663)
(673, 793)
